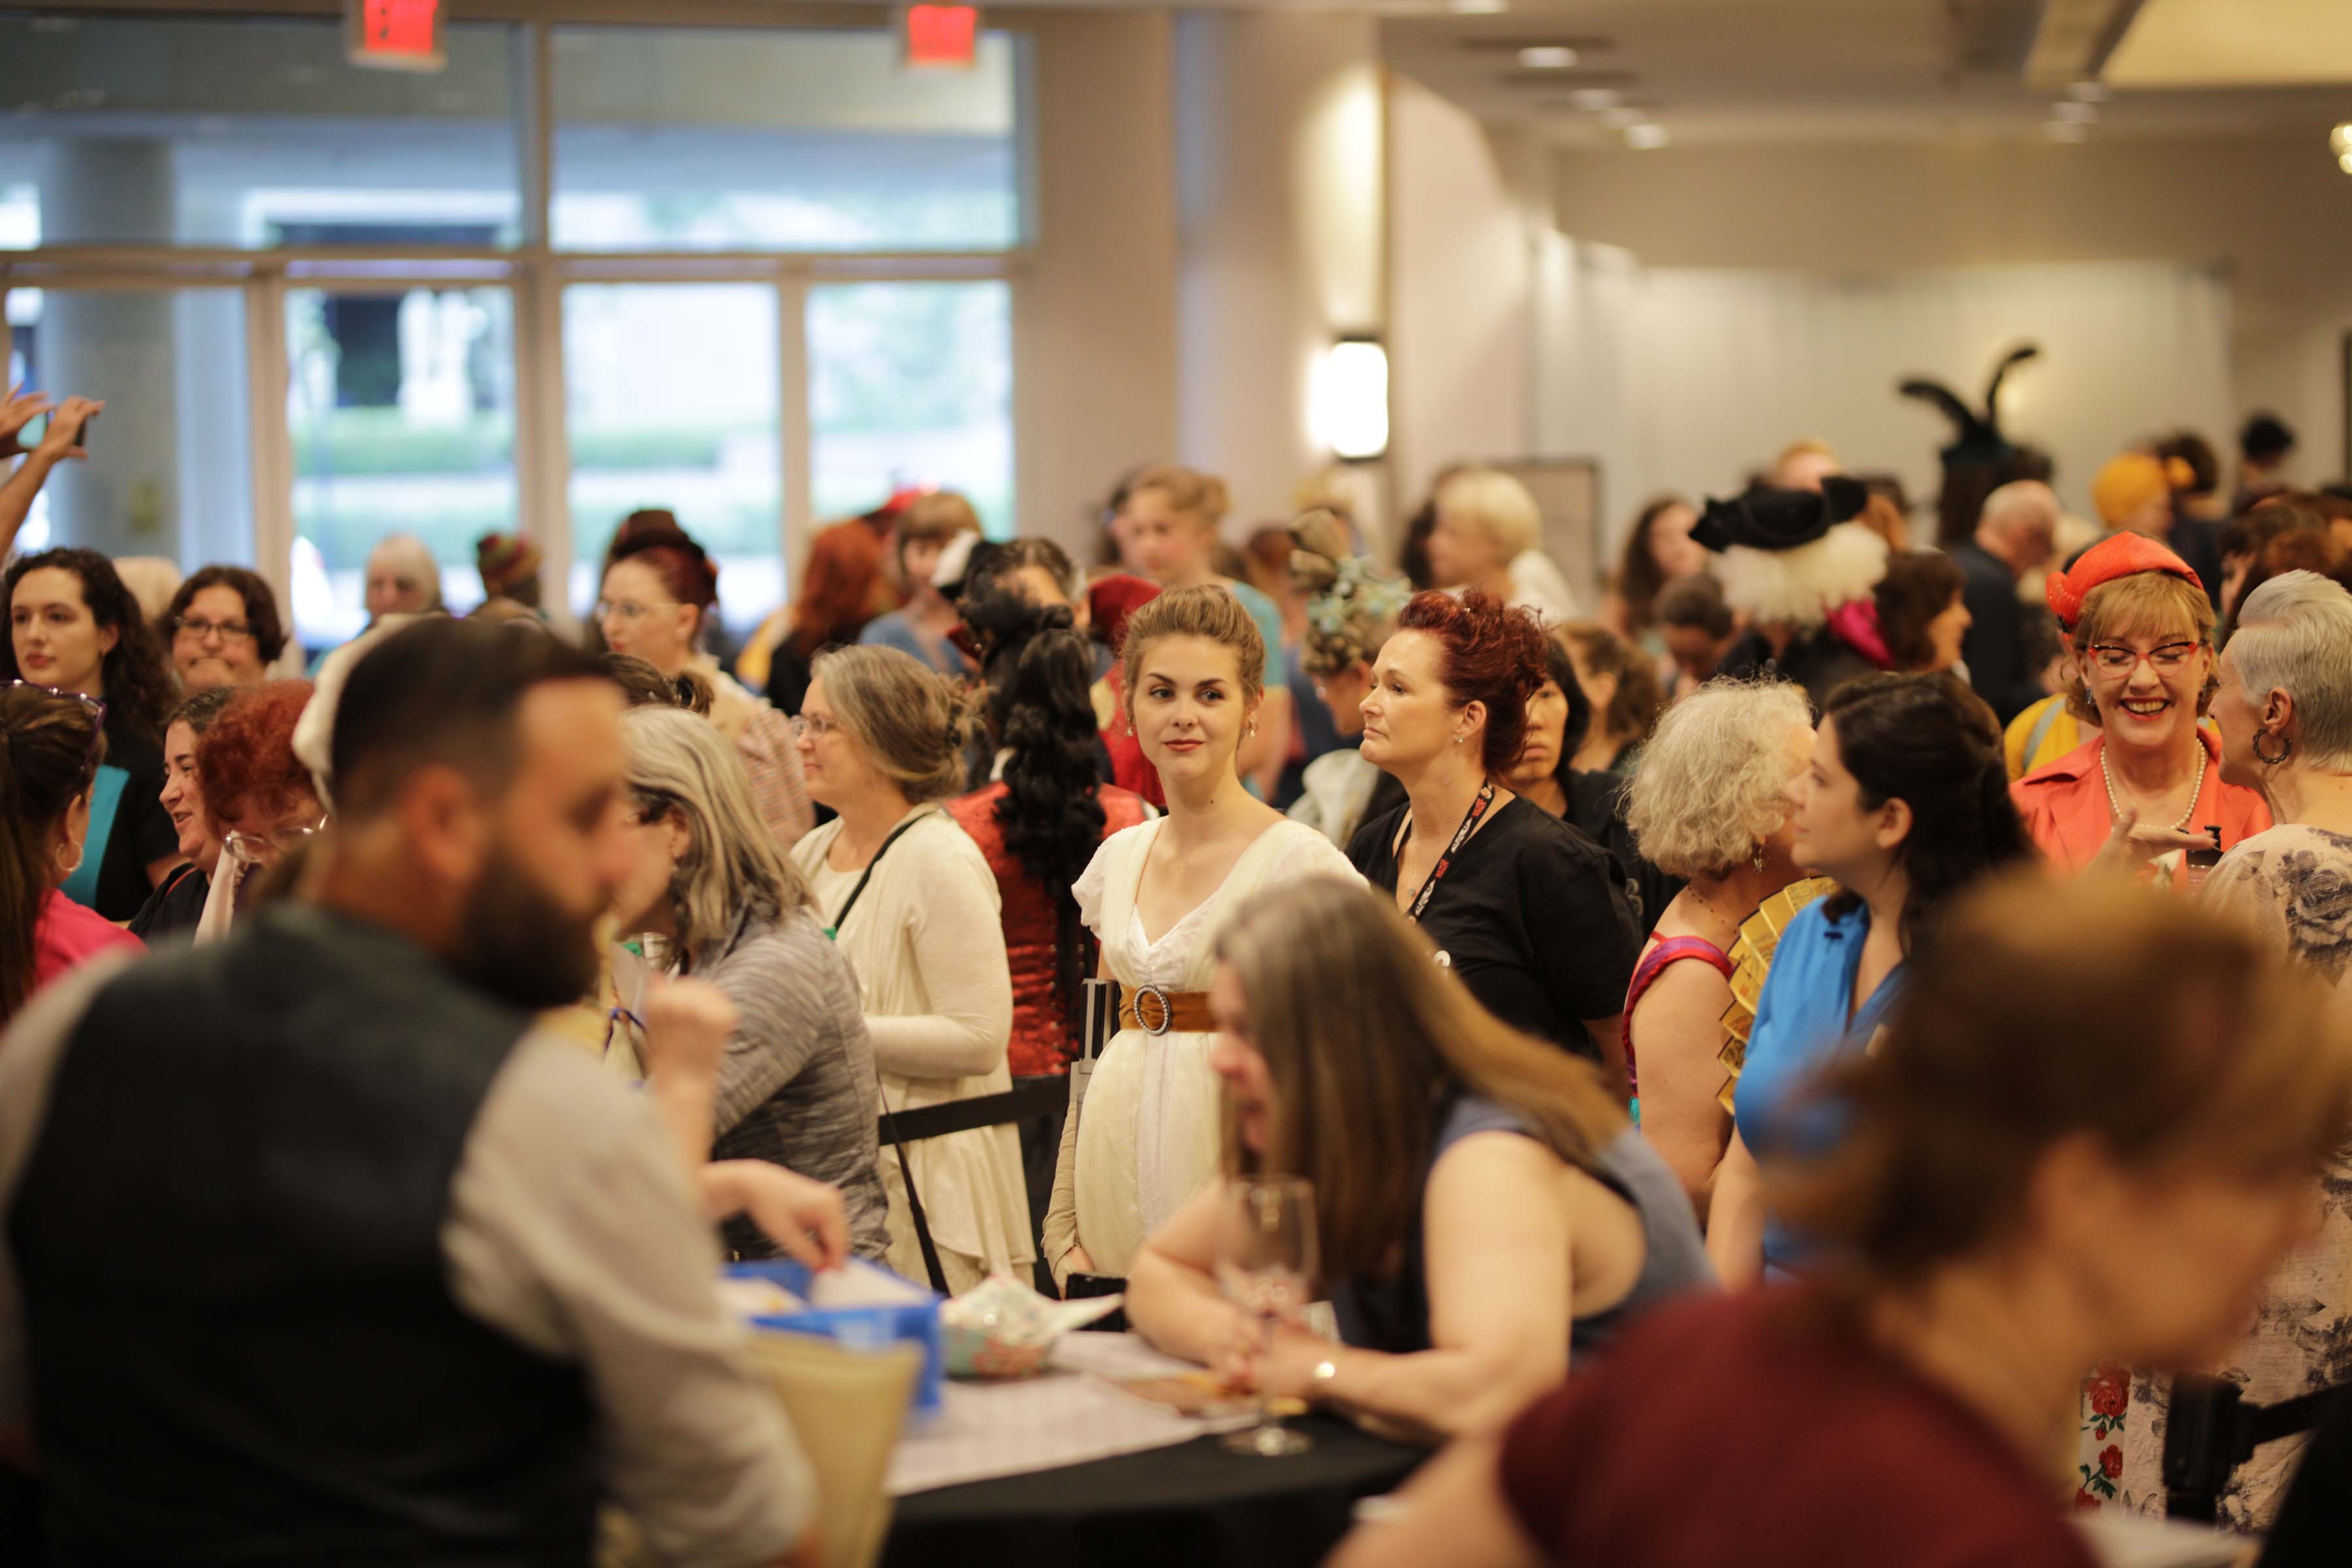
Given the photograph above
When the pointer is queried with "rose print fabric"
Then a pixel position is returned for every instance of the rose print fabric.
(2295, 883)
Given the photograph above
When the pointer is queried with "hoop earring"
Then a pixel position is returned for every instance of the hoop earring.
(2286, 749)
(74, 865)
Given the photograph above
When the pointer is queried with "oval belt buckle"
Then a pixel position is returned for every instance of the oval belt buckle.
(1167, 1009)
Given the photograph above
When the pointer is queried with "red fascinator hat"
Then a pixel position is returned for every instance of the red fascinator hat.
(2117, 555)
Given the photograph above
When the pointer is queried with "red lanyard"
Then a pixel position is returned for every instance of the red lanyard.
(1485, 798)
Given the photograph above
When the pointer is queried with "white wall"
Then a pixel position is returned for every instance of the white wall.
(2273, 211)
(1095, 311)
(1688, 378)
(1278, 150)
(1463, 229)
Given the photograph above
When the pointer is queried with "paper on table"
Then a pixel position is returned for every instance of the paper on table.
(2127, 1540)
(987, 1430)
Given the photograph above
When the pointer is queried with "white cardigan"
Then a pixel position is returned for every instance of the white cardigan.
(926, 942)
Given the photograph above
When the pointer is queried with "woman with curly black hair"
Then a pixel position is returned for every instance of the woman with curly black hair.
(73, 627)
(1039, 821)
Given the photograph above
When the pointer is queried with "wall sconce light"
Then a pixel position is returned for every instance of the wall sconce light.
(1350, 399)
(2339, 141)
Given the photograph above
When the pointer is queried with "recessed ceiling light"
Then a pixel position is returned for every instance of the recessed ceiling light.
(2066, 131)
(1593, 99)
(2090, 92)
(1477, 8)
(2080, 113)
(1622, 119)
(1547, 57)
(1646, 137)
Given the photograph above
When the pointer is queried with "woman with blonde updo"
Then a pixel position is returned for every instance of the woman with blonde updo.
(1352, 608)
(1146, 1136)
(1168, 524)
(911, 901)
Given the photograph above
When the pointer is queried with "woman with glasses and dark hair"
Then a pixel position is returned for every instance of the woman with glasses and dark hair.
(659, 599)
(260, 798)
(223, 629)
(2140, 628)
(74, 627)
(50, 744)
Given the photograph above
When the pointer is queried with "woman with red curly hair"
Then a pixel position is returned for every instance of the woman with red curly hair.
(1524, 908)
(261, 800)
(660, 594)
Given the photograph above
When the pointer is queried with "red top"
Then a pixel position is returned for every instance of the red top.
(1041, 1030)
(1663, 950)
(1753, 1429)
(68, 935)
(1129, 768)
(2065, 805)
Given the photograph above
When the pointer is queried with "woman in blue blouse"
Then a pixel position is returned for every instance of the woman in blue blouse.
(1907, 803)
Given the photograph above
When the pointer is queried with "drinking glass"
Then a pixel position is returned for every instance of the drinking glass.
(1266, 1266)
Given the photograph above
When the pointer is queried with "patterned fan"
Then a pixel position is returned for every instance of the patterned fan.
(1751, 956)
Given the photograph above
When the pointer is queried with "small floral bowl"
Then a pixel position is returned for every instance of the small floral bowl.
(1001, 1328)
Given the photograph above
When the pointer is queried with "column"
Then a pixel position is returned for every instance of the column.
(1279, 192)
(120, 347)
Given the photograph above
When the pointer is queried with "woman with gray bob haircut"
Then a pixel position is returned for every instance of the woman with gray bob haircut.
(2285, 707)
(1710, 804)
(796, 1084)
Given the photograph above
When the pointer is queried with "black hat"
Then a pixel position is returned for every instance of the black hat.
(1978, 437)
(1768, 518)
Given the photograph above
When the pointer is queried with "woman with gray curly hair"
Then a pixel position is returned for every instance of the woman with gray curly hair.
(1710, 805)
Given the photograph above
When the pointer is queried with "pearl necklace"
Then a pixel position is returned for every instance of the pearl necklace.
(2116, 805)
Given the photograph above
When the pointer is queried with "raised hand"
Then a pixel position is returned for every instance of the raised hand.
(62, 440)
(19, 409)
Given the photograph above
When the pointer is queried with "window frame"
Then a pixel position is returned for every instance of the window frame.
(536, 275)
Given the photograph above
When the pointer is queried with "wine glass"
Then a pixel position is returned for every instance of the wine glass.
(1266, 1266)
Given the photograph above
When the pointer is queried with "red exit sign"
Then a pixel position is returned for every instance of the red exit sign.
(396, 34)
(941, 37)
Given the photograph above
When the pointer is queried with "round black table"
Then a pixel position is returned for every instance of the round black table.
(1192, 1504)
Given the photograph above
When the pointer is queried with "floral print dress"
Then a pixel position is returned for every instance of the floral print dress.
(2295, 883)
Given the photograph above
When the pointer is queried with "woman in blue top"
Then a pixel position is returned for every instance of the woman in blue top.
(1906, 802)
(1484, 1209)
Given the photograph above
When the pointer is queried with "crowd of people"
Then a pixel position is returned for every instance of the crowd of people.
(1778, 1060)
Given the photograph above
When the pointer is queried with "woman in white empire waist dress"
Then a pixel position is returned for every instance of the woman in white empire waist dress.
(1146, 1136)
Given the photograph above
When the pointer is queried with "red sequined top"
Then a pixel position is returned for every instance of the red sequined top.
(1041, 1032)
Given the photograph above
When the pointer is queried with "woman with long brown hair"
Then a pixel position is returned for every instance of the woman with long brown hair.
(50, 745)
(1484, 1209)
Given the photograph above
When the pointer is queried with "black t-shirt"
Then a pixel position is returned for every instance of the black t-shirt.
(1596, 803)
(141, 831)
(173, 908)
(1530, 917)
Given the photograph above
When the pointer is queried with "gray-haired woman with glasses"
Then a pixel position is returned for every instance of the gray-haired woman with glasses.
(2284, 707)
(796, 1084)
(50, 743)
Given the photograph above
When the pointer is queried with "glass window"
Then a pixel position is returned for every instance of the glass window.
(707, 140)
(911, 384)
(670, 391)
(169, 471)
(249, 132)
(401, 409)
